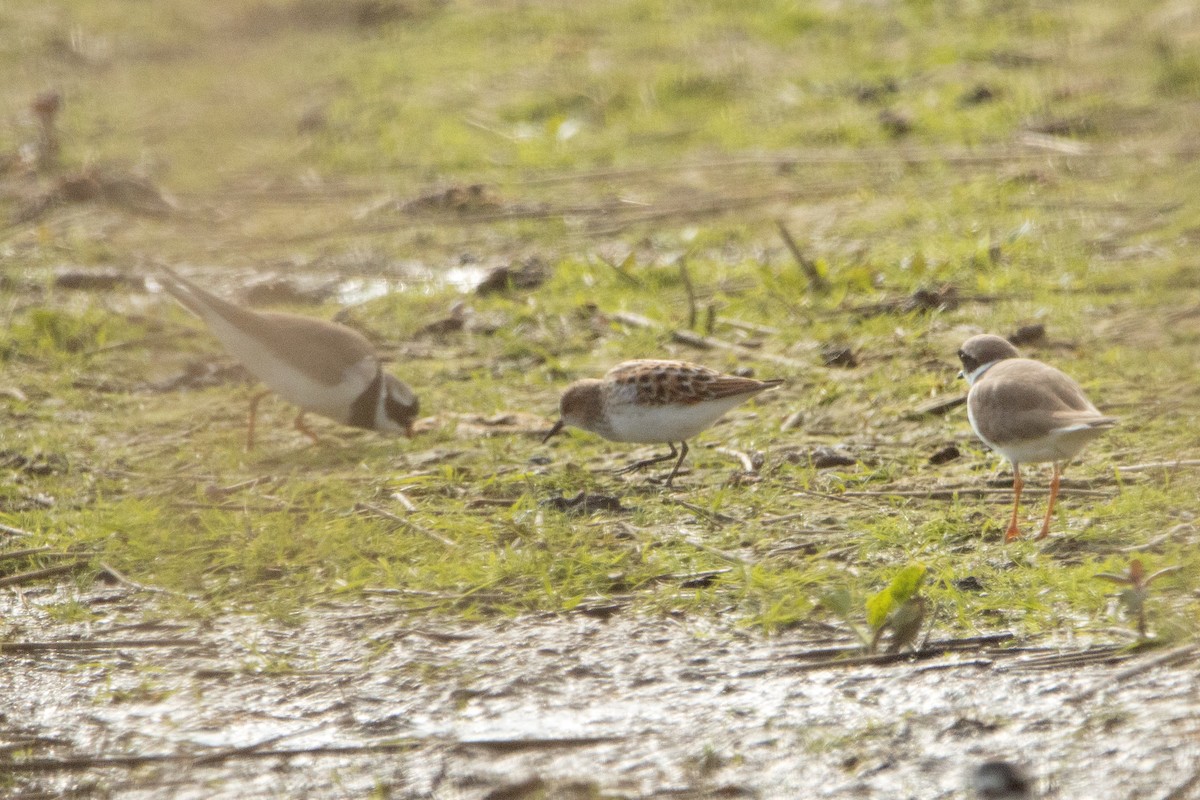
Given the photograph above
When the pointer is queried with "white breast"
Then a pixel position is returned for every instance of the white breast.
(656, 424)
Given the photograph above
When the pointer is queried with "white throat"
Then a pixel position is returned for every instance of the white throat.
(978, 373)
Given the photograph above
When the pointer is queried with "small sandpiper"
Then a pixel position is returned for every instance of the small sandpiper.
(654, 402)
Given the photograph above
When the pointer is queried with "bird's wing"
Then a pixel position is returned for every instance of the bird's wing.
(662, 382)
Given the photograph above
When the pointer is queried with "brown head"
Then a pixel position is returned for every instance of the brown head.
(981, 350)
(582, 405)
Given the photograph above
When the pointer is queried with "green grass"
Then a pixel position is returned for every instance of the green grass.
(627, 134)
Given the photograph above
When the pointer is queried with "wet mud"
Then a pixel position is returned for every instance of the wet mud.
(359, 700)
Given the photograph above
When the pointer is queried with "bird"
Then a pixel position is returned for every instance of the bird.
(654, 402)
(322, 367)
(1027, 411)
(1000, 780)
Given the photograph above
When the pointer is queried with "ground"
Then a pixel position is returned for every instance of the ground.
(505, 197)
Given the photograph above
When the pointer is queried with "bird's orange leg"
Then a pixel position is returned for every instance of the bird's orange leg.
(1018, 485)
(300, 426)
(254, 401)
(1054, 481)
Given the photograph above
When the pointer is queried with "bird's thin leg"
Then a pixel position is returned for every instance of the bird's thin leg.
(682, 454)
(300, 426)
(635, 466)
(1018, 485)
(254, 401)
(1054, 481)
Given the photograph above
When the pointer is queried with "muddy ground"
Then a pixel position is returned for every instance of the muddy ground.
(360, 701)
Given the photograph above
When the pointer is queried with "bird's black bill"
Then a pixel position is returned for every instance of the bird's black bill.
(558, 426)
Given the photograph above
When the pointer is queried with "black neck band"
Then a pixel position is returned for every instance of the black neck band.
(362, 413)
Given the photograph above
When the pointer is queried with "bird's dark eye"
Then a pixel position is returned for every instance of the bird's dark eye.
(970, 364)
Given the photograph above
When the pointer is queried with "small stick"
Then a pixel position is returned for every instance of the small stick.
(691, 292)
(748, 327)
(95, 762)
(1149, 544)
(1163, 465)
(11, 531)
(940, 494)
(46, 572)
(112, 572)
(747, 461)
(401, 498)
(1169, 657)
(707, 342)
(721, 554)
(29, 551)
(93, 644)
(712, 343)
(217, 492)
(621, 269)
(714, 516)
(816, 281)
(234, 752)
(385, 514)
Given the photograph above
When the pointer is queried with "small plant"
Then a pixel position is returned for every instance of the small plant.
(897, 608)
(1134, 597)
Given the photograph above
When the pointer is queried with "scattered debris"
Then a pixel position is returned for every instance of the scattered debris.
(106, 280)
(896, 122)
(1000, 780)
(943, 298)
(969, 583)
(120, 190)
(287, 291)
(945, 455)
(1034, 333)
(979, 94)
(462, 200)
(825, 457)
(202, 375)
(528, 274)
(875, 90)
(467, 426)
(839, 356)
(792, 421)
(452, 323)
(38, 464)
(939, 405)
(584, 503)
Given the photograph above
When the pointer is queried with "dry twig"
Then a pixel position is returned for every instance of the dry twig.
(385, 514)
(816, 281)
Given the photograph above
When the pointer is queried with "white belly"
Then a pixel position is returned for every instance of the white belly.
(333, 401)
(1061, 445)
(657, 424)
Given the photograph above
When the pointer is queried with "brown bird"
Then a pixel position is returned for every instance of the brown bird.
(654, 402)
(1028, 412)
(320, 366)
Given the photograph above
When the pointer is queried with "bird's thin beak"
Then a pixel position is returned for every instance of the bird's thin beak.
(558, 426)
